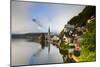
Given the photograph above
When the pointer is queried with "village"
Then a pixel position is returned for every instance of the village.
(69, 40)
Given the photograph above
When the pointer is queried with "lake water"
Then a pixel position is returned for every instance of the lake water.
(24, 52)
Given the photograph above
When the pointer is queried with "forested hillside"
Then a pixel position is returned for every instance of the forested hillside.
(84, 33)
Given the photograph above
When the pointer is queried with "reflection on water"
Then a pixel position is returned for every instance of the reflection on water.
(25, 53)
(42, 42)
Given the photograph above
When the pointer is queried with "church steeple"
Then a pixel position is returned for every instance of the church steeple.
(49, 30)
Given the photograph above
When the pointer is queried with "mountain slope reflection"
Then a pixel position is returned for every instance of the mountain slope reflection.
(42, 56)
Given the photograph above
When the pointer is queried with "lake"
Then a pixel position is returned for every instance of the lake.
(24, 52)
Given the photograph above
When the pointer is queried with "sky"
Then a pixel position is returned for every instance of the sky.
(34, 17)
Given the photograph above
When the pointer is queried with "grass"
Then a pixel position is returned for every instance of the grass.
(87, 55)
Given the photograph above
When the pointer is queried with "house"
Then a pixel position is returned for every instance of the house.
(68, 27)
(55, 38)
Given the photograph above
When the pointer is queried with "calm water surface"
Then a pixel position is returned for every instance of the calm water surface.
(25, 53)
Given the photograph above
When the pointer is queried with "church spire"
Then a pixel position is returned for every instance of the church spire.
(49, 30)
